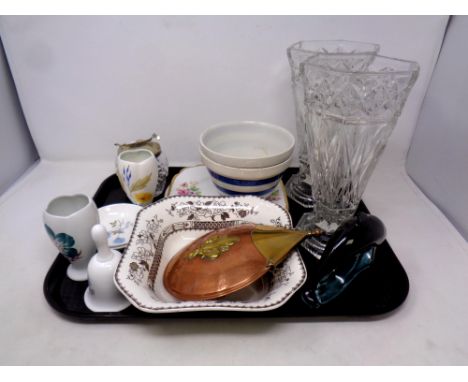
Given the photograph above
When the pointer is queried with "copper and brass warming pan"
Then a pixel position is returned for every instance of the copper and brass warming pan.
(227, 260)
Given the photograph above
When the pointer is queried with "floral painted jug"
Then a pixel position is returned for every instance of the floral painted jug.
(137, 170)
(154, 145)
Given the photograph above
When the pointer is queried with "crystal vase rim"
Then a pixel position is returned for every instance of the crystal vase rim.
(363, 43)
(413, 65)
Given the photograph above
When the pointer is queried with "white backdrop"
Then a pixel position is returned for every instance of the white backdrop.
(87, 82)
(17, 151)
(438, 158)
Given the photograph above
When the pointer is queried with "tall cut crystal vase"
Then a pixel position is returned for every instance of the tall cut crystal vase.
(350, 113)
(299, 185)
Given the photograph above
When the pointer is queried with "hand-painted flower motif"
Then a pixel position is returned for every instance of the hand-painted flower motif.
(64, 243)
(131, 187)
(189, 189)
(118, 228)
(143, 197)
(127, 175)
(274, 196)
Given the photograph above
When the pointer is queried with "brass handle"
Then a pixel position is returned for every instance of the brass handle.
(274, 243)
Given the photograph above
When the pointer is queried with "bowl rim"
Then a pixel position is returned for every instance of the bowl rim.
(230, 158)
(245, 173)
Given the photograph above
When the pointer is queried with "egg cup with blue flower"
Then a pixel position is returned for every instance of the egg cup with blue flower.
(68, 221)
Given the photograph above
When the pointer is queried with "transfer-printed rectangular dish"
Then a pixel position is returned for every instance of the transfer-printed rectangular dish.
(164, 227)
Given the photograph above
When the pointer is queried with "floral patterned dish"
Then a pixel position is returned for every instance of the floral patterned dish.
(148, 251)
(118, 219)
(196, 181)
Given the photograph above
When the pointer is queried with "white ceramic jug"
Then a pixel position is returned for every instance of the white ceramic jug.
(68, 221)
(138, 175)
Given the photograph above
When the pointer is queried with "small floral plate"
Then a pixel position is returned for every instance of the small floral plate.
(196, 181)
(118, 219)
(148, 252)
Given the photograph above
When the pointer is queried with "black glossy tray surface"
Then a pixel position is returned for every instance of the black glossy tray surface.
(377, 291)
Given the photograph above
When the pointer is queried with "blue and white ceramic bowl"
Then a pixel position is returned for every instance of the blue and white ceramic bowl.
(230, 186)
(251, 181)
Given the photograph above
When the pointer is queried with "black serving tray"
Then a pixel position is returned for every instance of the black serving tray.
(379, 290)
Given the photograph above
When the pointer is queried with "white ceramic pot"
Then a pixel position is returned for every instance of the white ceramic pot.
(138, 175)
(68, 221)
